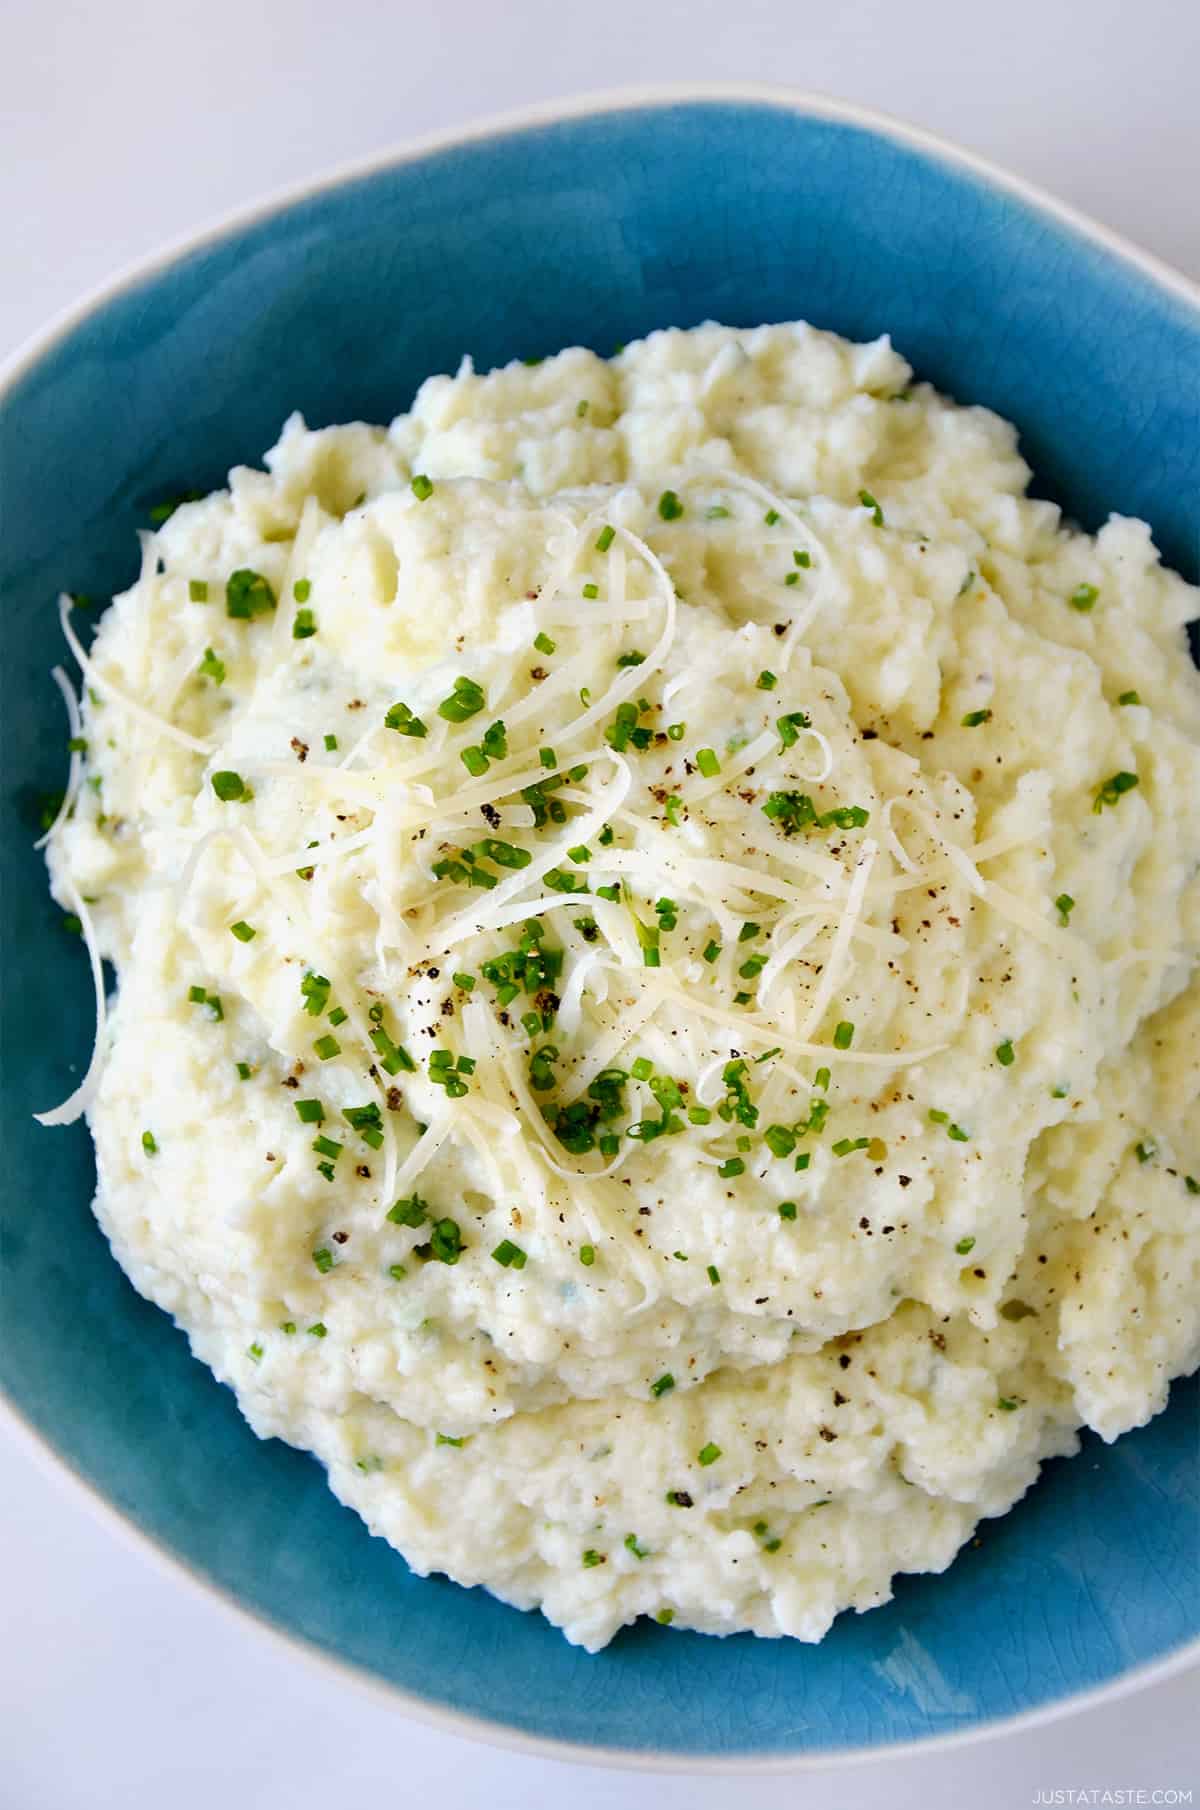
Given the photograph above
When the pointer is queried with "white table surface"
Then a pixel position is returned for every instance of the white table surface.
(123, 125)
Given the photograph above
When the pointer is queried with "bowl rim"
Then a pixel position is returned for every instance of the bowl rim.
(16, 365)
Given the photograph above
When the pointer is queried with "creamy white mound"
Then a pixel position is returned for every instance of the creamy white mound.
(656, 914)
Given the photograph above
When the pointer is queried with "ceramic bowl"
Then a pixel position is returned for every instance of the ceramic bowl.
(591, 223)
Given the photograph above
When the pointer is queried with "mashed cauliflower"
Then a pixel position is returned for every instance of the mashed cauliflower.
(656, 913)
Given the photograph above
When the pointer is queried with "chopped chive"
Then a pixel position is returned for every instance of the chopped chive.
(1007, 1403)
(448, 1439)
(197, 590)
(475, 761)
(244, 1071)
(465, 981)
(669, 506)
(544, 644)
(422, 487)
(937, 1117)
(304, 626)
(716, 512)
(787, 1209)
(327, 1146)
(766, 680)
(843, 1036)
(868, 502)
(587, 1255)
(707, 762)
(331, 743)
(466, 700)
(630, 1543)
(708, 1454)
(714, 1274)
(676, 731)
(592, 1558)
(401, 719)
(965, 1246)
(1112, 789)
(1065, 905)
(318, 1329)
(338, 1015)
(846, 1146)
(605, 538)
(302, 590)
(509, 1255)
(974, 718)
(771, 517)
(1129, 697)
(957, 1133)
(229, 786)
(821, 1079)
(732, 1167)
(803, 1160)
(149, 1144)
(699, 1115)
(633, 657)
(212, 668)
(323, 1260)
(802, 558)
(1005, 1054)
(664, 1384)
(712, 950)
(248, 594)
(327, 1047)
(245, 933)
(789, 728)
(592, 591)
(1083, 597)
(779, 1139)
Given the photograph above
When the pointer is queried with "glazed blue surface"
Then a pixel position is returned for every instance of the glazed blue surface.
(591, 230)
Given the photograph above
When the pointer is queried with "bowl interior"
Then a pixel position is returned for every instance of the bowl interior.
(591, 229)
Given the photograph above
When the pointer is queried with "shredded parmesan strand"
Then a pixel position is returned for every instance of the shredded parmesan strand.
(75, 769)
(108, 690)
(852, 911)
(958, 857)
(77, 1103)
(422, 1153)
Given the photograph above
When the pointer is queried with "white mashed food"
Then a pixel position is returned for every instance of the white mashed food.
(656, 913)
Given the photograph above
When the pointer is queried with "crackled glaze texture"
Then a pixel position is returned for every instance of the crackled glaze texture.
(338, 305)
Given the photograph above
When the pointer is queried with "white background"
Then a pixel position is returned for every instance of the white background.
(123, 124)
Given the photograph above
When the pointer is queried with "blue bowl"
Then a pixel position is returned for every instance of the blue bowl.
(591, 224)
